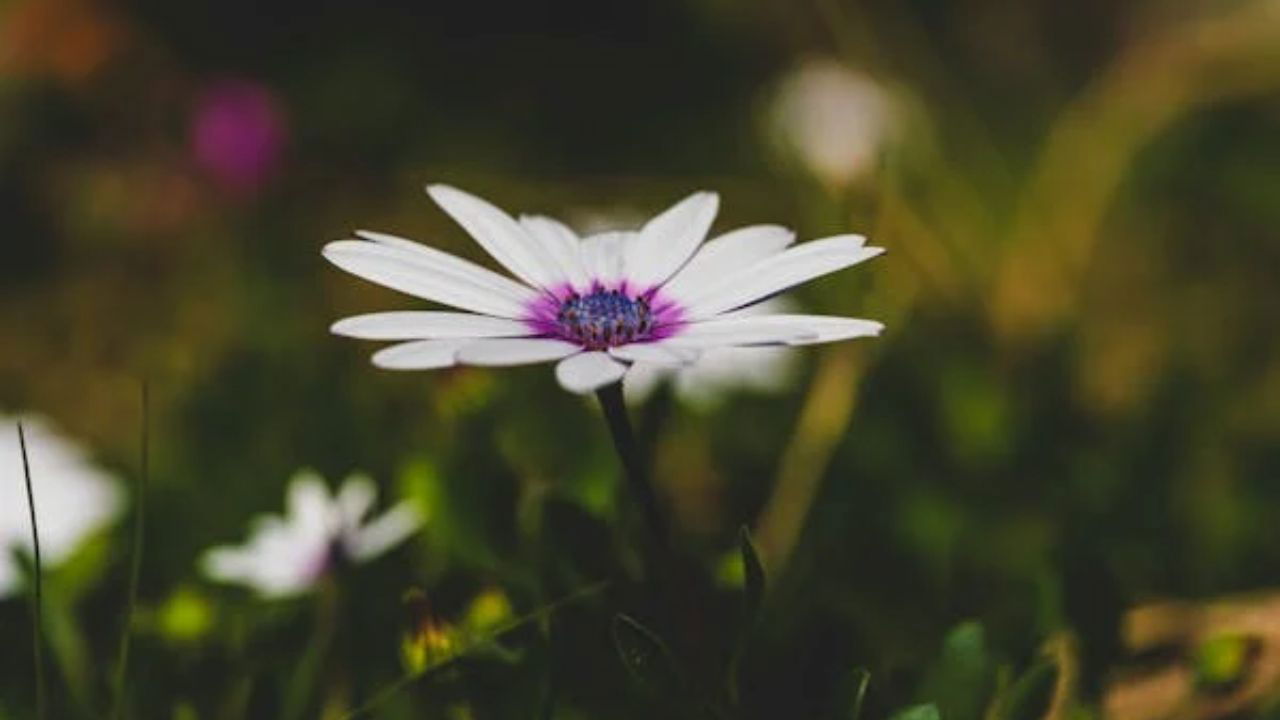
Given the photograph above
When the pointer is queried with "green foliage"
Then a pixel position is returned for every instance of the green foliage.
(927, 711)
(647, 659)
(1222, 659)
(1028, 697)
(962, 679)
(753, 588)
(857, 683)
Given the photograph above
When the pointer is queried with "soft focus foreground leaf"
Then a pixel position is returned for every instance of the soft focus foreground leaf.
(1029, 696)
(928, 711)
(852, 692)
(646, 658)
(753, 590)
(754, 585)
(963, 678)
(70, 650)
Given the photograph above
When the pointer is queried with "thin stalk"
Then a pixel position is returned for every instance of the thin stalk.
(37, 630)
(306, 679)
(135, 559)
(624, 442)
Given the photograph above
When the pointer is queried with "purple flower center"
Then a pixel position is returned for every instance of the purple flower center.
(603, 319)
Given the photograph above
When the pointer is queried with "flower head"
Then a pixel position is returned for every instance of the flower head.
(596, 304)
(73, 498)
(287, 555)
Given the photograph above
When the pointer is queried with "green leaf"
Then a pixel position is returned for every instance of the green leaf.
(927, 711)
(754, 577)
(962, 680)
(857, 683)
(646, 657)
(1029, 696)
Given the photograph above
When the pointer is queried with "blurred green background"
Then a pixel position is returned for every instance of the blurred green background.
(1074, 412)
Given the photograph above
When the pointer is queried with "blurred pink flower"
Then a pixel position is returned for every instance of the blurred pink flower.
(238, 132)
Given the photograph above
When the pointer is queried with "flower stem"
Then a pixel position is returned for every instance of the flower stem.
(302, 688)
(135, 556)
(624, 442)
(37, 642)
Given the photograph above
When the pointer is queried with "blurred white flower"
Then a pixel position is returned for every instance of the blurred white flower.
(833, 119)
(721, 371)
(73, 498)
(288, 555)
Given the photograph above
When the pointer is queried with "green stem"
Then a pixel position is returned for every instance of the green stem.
(135, 559)
(624, 442)
(36, 635)
(311, 667)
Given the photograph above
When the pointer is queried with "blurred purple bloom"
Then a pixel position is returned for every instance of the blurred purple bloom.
(238, 132)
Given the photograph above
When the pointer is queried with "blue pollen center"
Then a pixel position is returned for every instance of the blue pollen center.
(603, 319)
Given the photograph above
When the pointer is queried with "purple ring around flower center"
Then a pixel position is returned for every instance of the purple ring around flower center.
(604, 317)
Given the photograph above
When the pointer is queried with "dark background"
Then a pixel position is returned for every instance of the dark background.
(1075, 409)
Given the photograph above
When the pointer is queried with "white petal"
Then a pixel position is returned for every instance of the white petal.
(589, 371)
(710, 335)
(500, 352)
(726, 254)
(776, 305)
(806, 329)
(383, 533)
(667, 241)
(602, 256)
(419, 355)
(412, 324)
(452, 265)
(499, 234)
(561, 244)
(657, 353)
(411, 273)
(779, 272)
(355, 497)
(73, 497)
(642, 379)
(309, 505)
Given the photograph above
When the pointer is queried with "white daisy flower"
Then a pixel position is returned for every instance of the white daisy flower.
(596, 304)
(288, 555)
(74, 499)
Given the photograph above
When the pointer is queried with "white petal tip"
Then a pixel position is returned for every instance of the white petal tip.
(868, 328)
(332, 247)
(439, 190)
